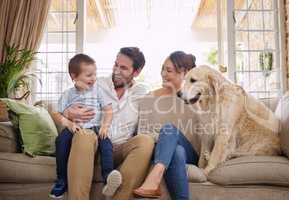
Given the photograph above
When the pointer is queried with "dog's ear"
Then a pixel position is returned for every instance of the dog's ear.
(213, 82)
(215, 85)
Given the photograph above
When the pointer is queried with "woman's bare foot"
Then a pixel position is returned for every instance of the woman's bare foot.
(153, 180)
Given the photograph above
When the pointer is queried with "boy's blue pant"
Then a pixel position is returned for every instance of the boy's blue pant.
(63, 145)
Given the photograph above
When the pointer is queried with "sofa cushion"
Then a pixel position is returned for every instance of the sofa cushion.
(38, 131)
(272, 170)
(20, 168)
(156, 111)
(282, 112)
(8, 141)
(209, 191)
(51, 107)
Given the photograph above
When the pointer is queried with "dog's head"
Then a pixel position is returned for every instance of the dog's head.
(201, 82)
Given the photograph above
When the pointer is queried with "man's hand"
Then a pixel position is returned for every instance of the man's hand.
(78, 113)
(103, 132)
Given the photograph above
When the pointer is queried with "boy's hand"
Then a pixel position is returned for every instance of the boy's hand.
(74, 128)
(103, 132)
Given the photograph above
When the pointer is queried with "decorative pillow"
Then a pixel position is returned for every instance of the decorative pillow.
(37, 129)
(51, 107)
(256, 170)
(154, 112)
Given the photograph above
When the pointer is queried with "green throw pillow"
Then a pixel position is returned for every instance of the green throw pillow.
(37, 129)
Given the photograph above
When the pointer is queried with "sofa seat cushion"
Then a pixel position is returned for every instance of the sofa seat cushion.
(272, 170)
(20, 168)
(208, 191)
(8, 141)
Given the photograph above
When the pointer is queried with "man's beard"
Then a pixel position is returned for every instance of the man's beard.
(121, 84)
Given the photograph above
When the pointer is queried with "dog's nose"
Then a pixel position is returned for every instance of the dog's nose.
(179, 94)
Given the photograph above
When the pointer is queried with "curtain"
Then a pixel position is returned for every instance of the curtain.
(22, 23)
(102, 11)
(109, 12)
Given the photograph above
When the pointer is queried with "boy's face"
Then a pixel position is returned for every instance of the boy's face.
(87, 76)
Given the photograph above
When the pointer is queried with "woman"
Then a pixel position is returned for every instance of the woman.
(173, 150)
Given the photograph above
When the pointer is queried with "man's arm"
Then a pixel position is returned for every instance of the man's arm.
(61, 120)
(78, 113)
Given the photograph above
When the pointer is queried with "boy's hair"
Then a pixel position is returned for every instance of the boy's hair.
(76, 61)
(135, 55)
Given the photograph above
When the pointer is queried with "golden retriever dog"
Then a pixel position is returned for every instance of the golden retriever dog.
(242, 124)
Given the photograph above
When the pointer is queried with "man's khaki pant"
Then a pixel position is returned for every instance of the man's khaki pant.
(132, 157)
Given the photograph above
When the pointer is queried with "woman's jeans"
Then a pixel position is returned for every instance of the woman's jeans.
(174, 151)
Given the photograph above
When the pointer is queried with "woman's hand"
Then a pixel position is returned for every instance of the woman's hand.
(78, 113)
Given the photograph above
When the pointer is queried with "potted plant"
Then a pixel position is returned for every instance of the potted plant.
(266, 62)
(212, 57)
(14, 74)
(213, 60)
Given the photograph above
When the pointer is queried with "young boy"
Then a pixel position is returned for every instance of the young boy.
(82, 70)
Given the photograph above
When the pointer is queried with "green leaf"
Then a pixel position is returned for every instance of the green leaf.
(13, 71)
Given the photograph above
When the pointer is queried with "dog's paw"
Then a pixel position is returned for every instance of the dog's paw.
(236, 155)
(202, 163)
(231, 156)
(207, 155)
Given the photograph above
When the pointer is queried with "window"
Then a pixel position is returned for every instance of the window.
(159, 27)
(58, 45)
(255, 46)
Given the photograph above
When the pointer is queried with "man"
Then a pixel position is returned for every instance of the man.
(128, 149)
